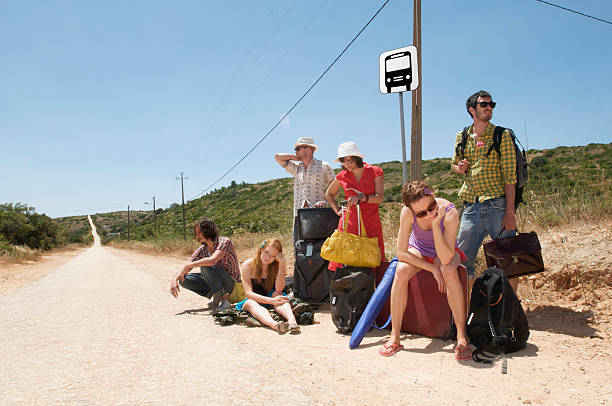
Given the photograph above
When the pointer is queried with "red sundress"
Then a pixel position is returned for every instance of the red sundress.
(369, 212)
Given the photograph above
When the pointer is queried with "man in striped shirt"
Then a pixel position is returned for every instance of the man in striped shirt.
(488, 190)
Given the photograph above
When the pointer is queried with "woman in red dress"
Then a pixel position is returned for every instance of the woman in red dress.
(363, 186)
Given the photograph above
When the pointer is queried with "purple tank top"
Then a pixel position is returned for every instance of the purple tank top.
(423, 240)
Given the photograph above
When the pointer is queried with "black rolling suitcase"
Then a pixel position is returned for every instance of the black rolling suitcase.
(311, 277)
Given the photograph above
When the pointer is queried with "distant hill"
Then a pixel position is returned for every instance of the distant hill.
(564, 174)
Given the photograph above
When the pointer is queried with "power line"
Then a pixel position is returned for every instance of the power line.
(296, 103)
(574, 11)
(254, 62)
(230, 84)
(265, 79)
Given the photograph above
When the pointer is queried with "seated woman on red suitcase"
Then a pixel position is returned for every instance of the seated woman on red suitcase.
(427, 240)
(263, 280)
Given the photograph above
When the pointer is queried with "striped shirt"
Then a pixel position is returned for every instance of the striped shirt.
(309, 184)
(229, 260)
(486, 176)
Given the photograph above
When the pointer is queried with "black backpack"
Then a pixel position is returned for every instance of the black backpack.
(521, 157)
(350, 291)
(497, 323)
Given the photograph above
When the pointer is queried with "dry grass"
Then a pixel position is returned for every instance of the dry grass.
(244, 243)
(19, 254)
(22, 254)
(163, 246)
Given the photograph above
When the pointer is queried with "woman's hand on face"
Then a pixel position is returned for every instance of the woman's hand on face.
(279, 300)
(441, 212)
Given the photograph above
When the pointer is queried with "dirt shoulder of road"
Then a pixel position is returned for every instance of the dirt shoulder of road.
(15, 275)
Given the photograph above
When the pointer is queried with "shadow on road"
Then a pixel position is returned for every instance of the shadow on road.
(561, 320)
(203, 310)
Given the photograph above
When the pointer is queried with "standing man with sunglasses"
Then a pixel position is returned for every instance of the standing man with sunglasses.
(311, 176)
(488, 190)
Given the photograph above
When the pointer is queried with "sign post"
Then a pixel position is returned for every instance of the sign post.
(399, 72)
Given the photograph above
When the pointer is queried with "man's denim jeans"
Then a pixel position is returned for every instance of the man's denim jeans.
(478, 220)
(209, 281)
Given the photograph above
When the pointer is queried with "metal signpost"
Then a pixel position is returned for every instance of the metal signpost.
(399, 72)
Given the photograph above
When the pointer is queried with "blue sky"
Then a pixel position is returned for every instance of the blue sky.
(105, 103)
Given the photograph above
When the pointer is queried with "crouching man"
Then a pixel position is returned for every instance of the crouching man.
(219, 268)
(427, 241)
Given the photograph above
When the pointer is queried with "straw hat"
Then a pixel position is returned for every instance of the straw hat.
(348, 148)
(306, 141)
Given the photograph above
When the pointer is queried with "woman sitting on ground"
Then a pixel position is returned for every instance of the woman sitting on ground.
(263, 279)
(427, 240)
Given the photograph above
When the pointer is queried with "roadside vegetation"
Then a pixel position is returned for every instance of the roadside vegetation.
(566, 185)
(24, 234)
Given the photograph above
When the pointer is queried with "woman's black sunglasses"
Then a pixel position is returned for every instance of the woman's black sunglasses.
(431, 207)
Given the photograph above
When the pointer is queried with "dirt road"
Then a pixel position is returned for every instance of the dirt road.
(104, 329)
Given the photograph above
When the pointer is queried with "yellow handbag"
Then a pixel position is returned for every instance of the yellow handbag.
(351, 249)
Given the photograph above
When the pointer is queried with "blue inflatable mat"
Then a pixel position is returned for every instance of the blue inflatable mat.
(375, 305)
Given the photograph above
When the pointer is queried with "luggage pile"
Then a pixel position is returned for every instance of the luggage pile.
(311, 277)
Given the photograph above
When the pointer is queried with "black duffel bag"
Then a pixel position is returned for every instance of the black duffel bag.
(350, 291)
(315, 223)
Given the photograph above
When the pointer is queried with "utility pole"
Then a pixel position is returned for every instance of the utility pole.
(416, 167)
(183, 199)
(128, 222)
(154, 218)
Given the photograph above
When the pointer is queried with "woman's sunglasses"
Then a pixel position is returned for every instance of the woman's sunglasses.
(430, 208)
(485, 104)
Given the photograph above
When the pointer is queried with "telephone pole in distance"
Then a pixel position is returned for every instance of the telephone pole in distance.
(183, 200)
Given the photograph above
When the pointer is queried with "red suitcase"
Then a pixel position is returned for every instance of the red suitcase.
(427, 312)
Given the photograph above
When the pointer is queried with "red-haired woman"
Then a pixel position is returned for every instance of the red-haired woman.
(263, 280)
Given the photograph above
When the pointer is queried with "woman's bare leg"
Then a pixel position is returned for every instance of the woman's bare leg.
(285, 311)
(455, 296)
(260, 313)
(399, 295)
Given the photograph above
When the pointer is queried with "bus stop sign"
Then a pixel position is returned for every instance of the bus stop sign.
(399, 70)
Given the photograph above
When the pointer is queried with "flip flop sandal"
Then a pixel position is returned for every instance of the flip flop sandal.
(389, 350)
(463, 353)
(294, 329)
(281, 327)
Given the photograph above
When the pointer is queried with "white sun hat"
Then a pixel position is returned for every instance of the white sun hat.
(306, 141)
(348, 148)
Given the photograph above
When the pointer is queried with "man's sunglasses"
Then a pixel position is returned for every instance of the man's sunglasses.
(430, 208)
(485, 104)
